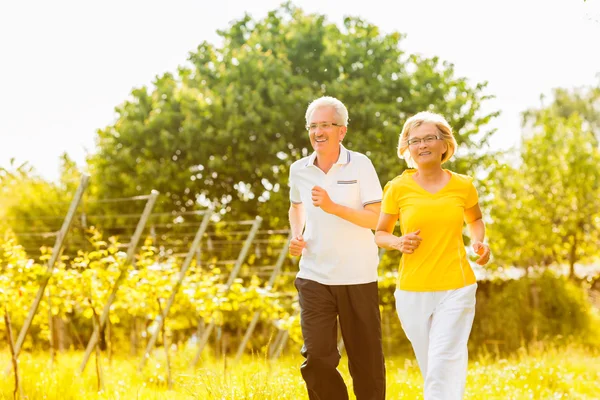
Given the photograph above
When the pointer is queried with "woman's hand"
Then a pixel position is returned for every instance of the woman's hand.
(484, 252)
(408, 243)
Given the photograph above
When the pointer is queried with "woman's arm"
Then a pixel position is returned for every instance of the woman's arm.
(387, 240)
(474, 220)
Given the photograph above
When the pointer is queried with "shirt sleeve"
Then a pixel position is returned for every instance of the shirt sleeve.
(390, 203)
(294, 191)
(472, 196)
(370, 187)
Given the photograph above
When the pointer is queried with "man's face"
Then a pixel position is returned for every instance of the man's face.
(325, 137)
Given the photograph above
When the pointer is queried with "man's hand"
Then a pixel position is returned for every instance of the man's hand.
(321, 199)
(297, 244)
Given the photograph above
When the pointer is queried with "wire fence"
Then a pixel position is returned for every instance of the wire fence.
(239, 249)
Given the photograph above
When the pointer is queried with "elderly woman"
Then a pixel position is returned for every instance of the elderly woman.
(435, 295)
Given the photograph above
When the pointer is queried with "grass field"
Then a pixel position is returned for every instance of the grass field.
(552, 374)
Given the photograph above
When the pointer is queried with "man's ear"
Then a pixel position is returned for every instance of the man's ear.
(343, 131)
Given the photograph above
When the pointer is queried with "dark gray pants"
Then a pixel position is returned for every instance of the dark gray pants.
(357, 307)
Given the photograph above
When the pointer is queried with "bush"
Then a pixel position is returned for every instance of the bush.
(514, 314)
(511, 314)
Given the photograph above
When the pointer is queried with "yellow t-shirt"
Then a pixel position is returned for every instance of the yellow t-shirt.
(440, 262)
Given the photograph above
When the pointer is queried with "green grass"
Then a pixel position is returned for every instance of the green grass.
(570, 373)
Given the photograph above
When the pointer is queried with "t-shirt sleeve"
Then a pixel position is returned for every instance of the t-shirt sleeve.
(294, 191)
(390, 203)
(370, 187)
(472, 196)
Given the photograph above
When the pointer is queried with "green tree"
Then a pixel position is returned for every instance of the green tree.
(228, 124)
(33, 208)
(545, 210)
(584, 101)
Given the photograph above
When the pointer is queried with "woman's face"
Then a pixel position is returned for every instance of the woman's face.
(426, 145)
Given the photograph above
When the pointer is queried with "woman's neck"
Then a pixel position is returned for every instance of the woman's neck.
(430, 174)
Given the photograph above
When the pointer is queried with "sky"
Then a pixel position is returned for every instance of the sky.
(65, 65)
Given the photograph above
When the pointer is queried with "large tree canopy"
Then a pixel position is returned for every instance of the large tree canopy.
(227, 126)
(32, 208)
(545, 209)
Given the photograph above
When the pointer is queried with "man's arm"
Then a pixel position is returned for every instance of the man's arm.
(366, 218)
(297, 220)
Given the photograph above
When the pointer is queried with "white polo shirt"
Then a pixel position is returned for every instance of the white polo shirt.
(337, 251)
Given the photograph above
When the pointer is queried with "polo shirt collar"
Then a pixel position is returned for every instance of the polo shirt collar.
(344, 157)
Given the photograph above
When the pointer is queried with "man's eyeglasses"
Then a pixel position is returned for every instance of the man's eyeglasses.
(427, 140)
(322, 125)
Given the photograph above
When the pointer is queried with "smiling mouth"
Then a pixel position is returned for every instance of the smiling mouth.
(320, 140)
(425, 153)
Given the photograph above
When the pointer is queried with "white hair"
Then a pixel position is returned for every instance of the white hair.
(341, 111)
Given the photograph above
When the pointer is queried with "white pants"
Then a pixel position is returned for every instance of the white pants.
(438, 325)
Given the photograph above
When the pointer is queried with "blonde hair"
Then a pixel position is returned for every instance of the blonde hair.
(419, 119)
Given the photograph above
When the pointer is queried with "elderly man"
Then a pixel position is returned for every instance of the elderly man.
(336, 198)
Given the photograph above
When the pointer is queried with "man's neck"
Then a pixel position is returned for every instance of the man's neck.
(325, 161)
